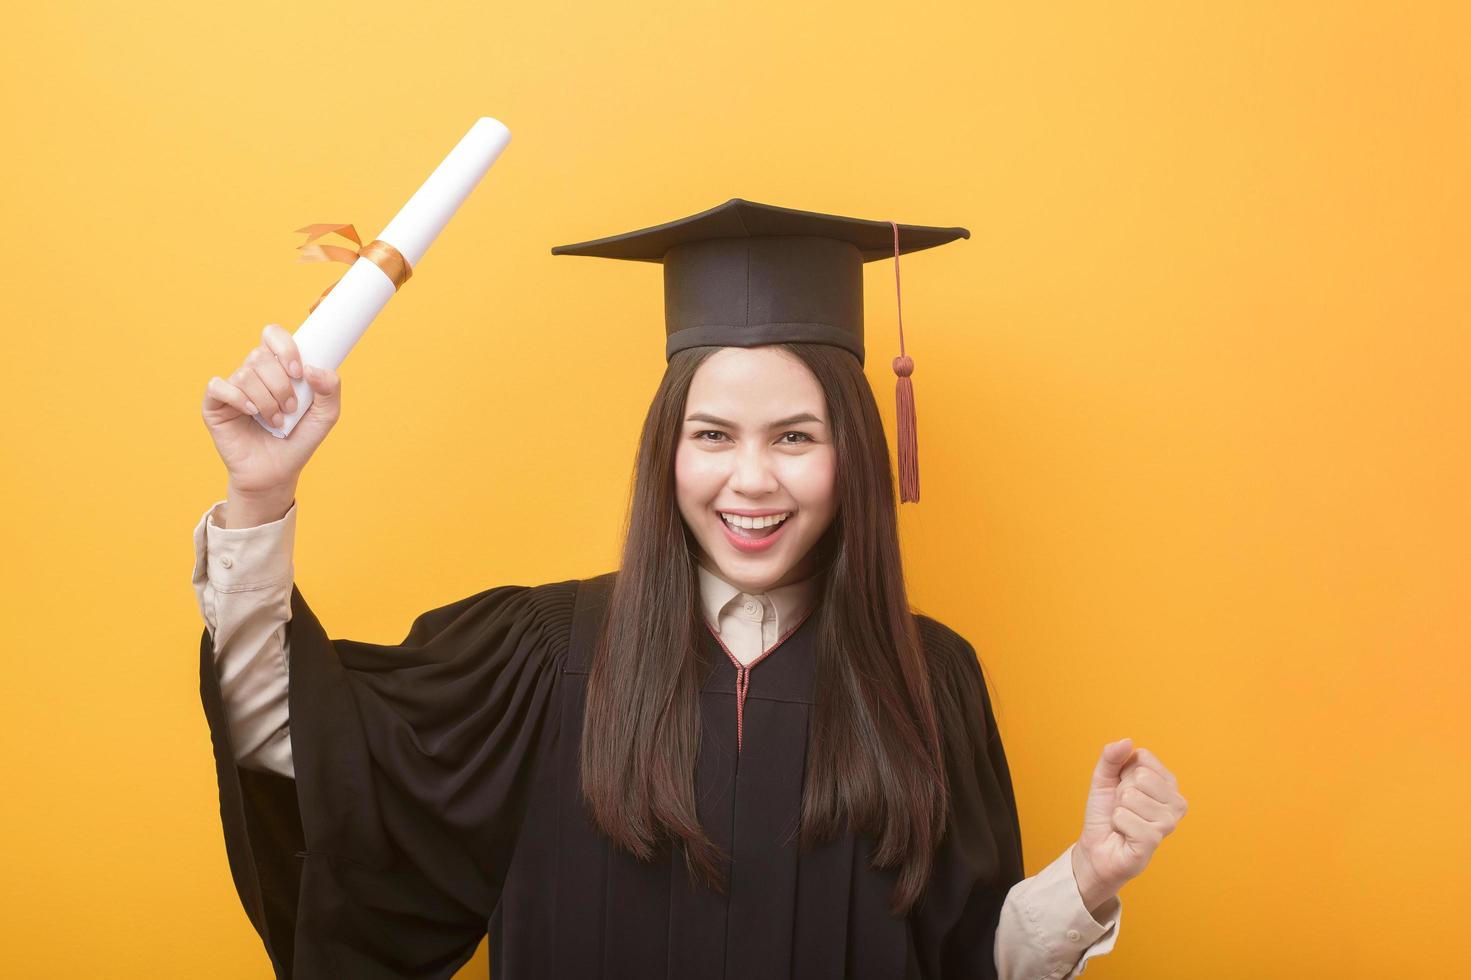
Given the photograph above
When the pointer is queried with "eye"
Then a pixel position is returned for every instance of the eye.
(805, 437)
(708, 432)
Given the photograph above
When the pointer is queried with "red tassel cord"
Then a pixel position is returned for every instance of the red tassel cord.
(904, 399)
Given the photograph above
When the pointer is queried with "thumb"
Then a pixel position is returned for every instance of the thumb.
(1110, 761)
(324, 382)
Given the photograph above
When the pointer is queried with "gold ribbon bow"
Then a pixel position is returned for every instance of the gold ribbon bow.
(379, 252)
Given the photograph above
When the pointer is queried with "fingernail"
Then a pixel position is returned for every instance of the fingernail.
(250, 407)
(295, 369)
(276, 420)
(291, 404)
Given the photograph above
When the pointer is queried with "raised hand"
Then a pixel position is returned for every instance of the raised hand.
(257, 462)
(1134, 802)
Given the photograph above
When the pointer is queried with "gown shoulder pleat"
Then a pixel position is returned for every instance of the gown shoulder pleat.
(385, 856)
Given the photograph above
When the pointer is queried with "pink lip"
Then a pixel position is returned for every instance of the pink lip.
(749, 513)
(750, 545)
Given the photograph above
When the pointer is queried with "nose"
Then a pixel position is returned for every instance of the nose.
(751, 474)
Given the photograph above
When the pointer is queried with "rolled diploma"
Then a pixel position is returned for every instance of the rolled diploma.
(329, 331)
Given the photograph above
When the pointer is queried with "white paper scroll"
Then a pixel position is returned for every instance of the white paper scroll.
(341, 317)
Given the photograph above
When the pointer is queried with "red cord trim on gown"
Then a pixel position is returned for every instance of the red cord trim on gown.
(743, 671)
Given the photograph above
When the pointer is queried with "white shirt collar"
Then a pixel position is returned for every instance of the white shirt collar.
(790, 602)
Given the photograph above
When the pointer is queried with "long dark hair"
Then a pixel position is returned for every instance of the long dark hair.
(874, 754)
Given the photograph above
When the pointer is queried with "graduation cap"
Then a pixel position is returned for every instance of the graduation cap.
(744, 274)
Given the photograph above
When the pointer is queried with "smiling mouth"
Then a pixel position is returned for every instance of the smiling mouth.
(754, 528)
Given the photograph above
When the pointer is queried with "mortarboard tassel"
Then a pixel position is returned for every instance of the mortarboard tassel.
(904, 397)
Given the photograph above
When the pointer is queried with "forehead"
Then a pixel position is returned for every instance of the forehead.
(754, 382)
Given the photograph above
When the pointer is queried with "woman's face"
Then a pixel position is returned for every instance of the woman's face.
(756, 440)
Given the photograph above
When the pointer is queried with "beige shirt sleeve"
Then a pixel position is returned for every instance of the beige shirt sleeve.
(1045, 932)
(242, 581)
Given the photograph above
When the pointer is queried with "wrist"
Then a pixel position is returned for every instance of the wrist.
(251, 508)
(1091, 889)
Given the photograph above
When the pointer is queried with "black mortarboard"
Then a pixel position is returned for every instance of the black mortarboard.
(744, 274)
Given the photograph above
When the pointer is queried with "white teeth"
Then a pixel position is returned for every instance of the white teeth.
(735, 520)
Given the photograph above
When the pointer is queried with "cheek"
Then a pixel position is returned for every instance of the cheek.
(815, 482)
(695, 481)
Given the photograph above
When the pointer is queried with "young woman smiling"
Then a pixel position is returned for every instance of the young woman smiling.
(741, 754)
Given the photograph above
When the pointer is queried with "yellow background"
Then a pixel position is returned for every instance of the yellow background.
(1192, 407)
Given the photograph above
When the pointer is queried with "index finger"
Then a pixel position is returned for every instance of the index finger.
(1148, 758)
(283, 346)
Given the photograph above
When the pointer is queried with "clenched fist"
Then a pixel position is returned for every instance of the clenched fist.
(1134, 802)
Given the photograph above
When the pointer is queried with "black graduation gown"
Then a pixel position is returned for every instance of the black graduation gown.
(436, 798)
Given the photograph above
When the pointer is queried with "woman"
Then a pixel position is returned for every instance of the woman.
(739, 755)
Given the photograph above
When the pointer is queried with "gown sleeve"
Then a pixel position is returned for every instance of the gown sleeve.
(385, 855)
(980, 856)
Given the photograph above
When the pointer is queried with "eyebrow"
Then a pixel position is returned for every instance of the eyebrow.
(792, 420)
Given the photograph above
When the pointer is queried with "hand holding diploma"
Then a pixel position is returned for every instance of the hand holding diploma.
(1134, 802)
(260, 465)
